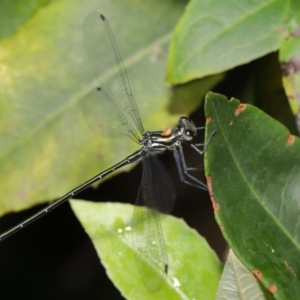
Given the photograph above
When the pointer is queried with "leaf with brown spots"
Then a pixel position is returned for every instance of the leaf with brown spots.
(254, 166)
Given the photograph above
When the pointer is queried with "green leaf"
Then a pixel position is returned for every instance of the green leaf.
(252, 165)
(213, 36)
(238, 283)
(289, 57)
(194, 268)
(46, 146)
(14, 13)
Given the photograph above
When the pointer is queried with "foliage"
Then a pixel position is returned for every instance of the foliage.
(46, 148)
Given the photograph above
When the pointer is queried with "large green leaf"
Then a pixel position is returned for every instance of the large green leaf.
(46, 147)
(253, 169)
(213, 36)
(14, 13)
(194, 269)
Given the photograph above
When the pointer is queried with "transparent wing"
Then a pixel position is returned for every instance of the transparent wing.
(147, 236)
(104, 118)
(110, 73)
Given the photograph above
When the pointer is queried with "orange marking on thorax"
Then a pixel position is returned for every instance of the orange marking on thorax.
(166, 132)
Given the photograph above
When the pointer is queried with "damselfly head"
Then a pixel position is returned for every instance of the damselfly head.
(188, 128)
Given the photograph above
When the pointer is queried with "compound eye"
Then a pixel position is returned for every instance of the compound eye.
(188, 135)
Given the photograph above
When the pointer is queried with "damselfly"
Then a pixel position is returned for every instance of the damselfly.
(114, 113)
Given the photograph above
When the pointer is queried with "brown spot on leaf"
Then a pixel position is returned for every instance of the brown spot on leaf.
(291, 67)
(257, 274)
(231, 122)
(208, 120)
(281, 29)
(296, 32)
(215, 205)
(241, 107)
(272, 288)
(289, 268)
(157, 51)
(291, 139)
